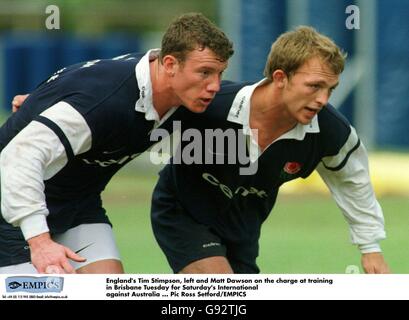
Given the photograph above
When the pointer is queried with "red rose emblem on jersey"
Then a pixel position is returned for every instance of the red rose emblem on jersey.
(292, 167)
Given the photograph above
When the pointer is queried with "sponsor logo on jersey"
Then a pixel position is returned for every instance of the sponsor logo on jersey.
(107, 163)
(240, 107)
(211, 244)
(228, 192)
(112, 151)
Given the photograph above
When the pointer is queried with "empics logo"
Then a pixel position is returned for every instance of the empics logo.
(34, 284)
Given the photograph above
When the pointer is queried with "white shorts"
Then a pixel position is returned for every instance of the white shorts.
(94, 242)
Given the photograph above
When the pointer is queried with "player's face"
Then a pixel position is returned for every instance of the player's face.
(309, 89)
(197, 79)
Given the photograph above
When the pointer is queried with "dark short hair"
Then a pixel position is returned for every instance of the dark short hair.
(194, 31)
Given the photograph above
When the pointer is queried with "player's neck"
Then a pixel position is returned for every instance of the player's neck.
(163, 97)
(267, 112)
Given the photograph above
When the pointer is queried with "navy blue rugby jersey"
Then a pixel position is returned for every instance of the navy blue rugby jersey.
(235, 205)
(104, 93)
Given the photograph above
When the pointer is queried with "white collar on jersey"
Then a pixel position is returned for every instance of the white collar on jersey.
(240, 113)
(145, 102)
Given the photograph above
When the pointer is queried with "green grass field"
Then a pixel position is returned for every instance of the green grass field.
(304, 233)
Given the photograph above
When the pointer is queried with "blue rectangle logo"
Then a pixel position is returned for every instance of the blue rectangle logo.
(34, 284)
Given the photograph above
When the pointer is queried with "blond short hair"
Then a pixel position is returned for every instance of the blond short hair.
(293, 48)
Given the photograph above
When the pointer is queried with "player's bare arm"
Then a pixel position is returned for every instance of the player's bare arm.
(23, 172)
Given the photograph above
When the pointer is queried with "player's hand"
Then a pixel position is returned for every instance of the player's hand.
(374, 263)
(48, 256)
(18, 101)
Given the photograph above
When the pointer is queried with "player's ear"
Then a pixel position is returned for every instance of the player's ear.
(170, 64)
(279, 78)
